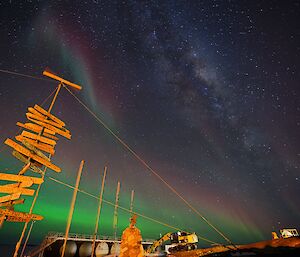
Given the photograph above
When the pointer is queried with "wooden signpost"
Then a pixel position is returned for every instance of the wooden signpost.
(34, 147)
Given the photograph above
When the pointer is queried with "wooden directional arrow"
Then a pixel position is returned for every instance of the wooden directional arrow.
(17, 188)
(50, 136)
(44, 147)
(11, 197)
(18, 178)
(15, 216)
(38, 138)
(31, 155)
(10, 203)
(35, 128)
(38, 117)
(35, 112)
(51, 116)
(34, 150)
(62, 131)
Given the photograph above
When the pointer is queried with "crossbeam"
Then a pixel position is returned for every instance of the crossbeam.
(61, 80)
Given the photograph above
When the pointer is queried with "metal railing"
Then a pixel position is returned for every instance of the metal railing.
(53, 236)
(77, 236)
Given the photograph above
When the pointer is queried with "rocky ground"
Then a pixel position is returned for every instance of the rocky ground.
(289, 247)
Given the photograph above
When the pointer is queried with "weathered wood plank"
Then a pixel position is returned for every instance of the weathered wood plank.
(12, 202)
(51, 116)
(12, 197)
(44, 147)
(14, 216)
(22, 178)
(50, 136)
(29, 154)
(35, 112)
(36, 117)
(15, 189)
(63, 132)
(35, 128)
(34, 149)
(38, 138)
(34, 166)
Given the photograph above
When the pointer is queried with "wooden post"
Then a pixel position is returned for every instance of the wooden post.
(131, 202)
(54, 98)
(26, 223)
(26, 167)
(115, 222)
(99, 211)
(26, 240)
(72, 208)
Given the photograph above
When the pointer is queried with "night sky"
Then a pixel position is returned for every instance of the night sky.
(207, 92)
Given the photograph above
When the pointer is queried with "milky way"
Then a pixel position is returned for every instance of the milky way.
(205, 91)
